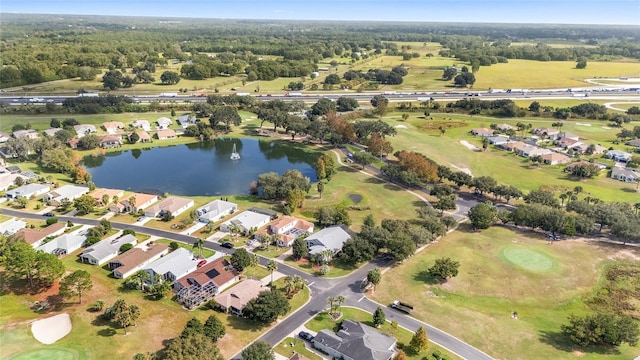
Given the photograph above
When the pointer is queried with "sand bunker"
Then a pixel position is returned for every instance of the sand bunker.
(469, 146)
(400, 126)
(52, 329)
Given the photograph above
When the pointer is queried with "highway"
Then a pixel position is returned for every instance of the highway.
(600, 93)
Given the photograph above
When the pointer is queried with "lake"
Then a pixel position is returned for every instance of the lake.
(202, 168)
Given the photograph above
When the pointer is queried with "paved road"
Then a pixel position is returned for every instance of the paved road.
(321, 288)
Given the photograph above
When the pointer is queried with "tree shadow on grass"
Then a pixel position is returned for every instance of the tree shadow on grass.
(561, 342)
(425, 277)
(629, 190)
(245, 324)
(107, 332)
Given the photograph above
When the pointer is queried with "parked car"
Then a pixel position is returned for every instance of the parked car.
(227, 245)
(141, 218)
(306, 336)
(49, 214)
(201, 263)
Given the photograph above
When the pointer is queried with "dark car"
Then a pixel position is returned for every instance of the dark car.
(49, 214)
(306, 336)
(227, 245)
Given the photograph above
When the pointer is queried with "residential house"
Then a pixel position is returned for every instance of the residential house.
(245, 221)
(529, 151)
(13, 169)
(110, 141)
(625, 174)
(356, 341)
(497, 140)
(543, 131)
(288, 229)
(51, 132)
(105, 250)
(66, 192)
(617, 155)
(136, 259)
(187, 120)
(215, 211)
(166, 134)
(11, 226)
(141, 124)
(555, 158)
(4, 137)
(64, 244)
(98, 194)
(567, 143)
(74, 143)
(28, 191)
(172, 266)
(582, 162)
(505, 127)
(35, 237)
(634, 142)
(143, 136)
(84, 129)
(483, 132)
(163, 123)
(298, 356)
(8, 179)
(140, 202)
(235, 299)
(173, 205)
(582, 148)
(25, 134)
(514, 146)
(567, 135)
(330, 238)
(112, 127)
(205, 282)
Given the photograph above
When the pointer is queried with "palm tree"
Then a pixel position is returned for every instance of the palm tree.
(254, 262)
(636, 206)
(289, 285)
(563, 197)
(298, 282)
(338, 302)
(264, 239)
(198, 244)
(142, 276)
(272, 266)
(331, 301)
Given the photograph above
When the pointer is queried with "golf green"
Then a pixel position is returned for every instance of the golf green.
(532, 260)
(47, 354)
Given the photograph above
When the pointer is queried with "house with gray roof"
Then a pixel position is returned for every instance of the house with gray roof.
(163, 123)
(84, 129)
(245, 221)
(142, 124)
(215, 210)
(173, 205)
(330, 238)
(63, 245)
(497, 140)
(187, 120)
(625, 174)
(106, 250)
(617, 155)
(173, 266)
(51, 132)
(28, 191)
(356, 341)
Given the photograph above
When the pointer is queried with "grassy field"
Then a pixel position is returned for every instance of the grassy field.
(324, 321)
(285, 348)
(502, 271)
(503, 166)
(160, 321)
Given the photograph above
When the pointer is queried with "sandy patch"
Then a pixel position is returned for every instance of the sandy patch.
(469, 146)
(400, 126)
(583, 124)
(464, 170)
(606, 128)
(52, 329)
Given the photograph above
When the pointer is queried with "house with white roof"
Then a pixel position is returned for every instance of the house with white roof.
(173, 205)
(84, 129)
(51, 132)
(187, 120)
(28, 191)
(66, 192)
(4, 137)
(530, 150)
(215, 211)
(128, 263)
(173, 266)
(64, 244)
(25, 134)
(11, 226)
(163, 123)
(245, 221)
(142, 124)
(105, 250)
(482, 132)
(330, 238)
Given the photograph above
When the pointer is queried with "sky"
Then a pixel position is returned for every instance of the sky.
(623, 12)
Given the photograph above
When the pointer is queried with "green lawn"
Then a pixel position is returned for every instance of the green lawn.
(477, 304)
(324, 321)
(285, 349)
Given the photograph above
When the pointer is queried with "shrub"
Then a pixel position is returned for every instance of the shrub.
(51, 221)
